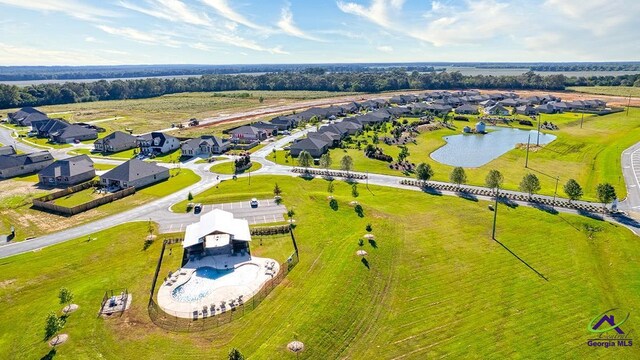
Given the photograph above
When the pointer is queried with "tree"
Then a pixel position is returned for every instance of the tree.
(573, 190)
(276, 190)
(530, 184)
(424, 172)
(65, 296)
(52, 326)
(190, 196)
(305, 159)
(235, 354)
(354, 190)
(261, 99)
(290, 214)
(346, 163)
(275, 154)
(330, 187)
(494, 180)
(606, 194)
(404, 153)
(458, 176)
(325, 161)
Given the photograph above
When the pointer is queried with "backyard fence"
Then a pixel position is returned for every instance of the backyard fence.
(271, 230)
(545, 201)
(199, 320)
(44, 202)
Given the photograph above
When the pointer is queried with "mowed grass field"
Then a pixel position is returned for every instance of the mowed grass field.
(624, 91)
(16, 197)
(590, 155)
(143, 115)
(437, 285)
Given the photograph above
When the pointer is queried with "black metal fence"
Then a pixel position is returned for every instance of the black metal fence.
(204, 320)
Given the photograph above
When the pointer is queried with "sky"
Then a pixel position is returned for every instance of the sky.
(114, 32)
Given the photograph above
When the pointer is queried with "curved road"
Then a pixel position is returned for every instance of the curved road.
(158, 210)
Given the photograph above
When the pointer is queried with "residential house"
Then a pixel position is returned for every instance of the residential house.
(73, 133)
(157, 143)
(508, 102)
(329, 137)
(314, 146)
(67, 172)
(497, 109)
(526, 110)
(44, 128)
(134, 173)
(26, 115)
(287, 122)
(350, 128)
(7, 150)
(16, 165)
(271, 129)
(438, 109)
(247, 134)
(467, 109)
(547, 108)
(115, 142)
(397, 111)
(205, 145)
(350, 108)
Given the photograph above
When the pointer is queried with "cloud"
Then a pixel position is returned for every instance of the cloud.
(379, 11)
(287, 25)
(223, 9)
(201, 46)
(140, 36)
(12, 55)
(90, 39)
(601, 17)
(71, 8)
(172, 10)
(386, 49)
(238, 41)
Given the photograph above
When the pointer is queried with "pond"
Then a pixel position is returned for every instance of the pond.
(474, 150)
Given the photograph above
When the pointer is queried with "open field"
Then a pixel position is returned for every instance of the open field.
(590, 155)
(16, 197)
(624, 91)
(436, 286)
(143, 115)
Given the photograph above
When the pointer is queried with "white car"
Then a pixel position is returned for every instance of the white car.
(254, 203)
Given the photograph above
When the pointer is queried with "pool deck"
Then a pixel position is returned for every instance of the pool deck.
(232, 288)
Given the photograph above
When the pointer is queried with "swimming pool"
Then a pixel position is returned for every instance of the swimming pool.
(474, 150)
(199, 285)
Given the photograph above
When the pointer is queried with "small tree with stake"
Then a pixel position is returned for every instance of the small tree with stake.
(235, 354)
(530, 184)
(66, 297)
(424, 173)
(53, 326)
(458, 176)
(494, 180)
(346, 163)
(304, 160)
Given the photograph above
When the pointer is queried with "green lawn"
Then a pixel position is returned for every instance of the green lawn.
(124, 155)
(624, 91)
(170, 157)
(229, 168)
(590, 155)
(78, 198)
(437, 285)
(16, 197)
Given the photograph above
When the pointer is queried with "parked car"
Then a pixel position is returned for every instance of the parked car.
(254, 203)
(197, 209)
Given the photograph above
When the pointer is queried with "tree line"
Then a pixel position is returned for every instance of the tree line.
(12, 96)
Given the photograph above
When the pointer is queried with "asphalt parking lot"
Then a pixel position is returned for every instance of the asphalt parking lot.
(266, 212)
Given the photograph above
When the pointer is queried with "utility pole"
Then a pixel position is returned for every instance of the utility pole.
(582, 121)
(538, 141)
(526, 161)
(495, 214)
(555, 193)
(628, 103)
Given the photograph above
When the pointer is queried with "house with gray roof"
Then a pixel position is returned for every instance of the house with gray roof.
(26, 115)
(286, 122)
(508, 102)
(157, 143)
(467, 109)
(73, 133)
(205, 145)
(271, 129)
(67, 172)
(329, 137)
(16, 165)
(115, 142)
(497, 109)
(247, 134)
(134, 173)
(314, 146)
(7, 150)
(547, 108)
(44, 128)
(526, 110)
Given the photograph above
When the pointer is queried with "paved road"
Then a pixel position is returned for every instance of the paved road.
(631, 170)
(158, 210)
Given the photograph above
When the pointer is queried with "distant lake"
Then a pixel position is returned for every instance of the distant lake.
(468, 70)
(475, 150)
(60, 81)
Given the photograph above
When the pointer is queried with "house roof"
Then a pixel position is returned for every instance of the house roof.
(27, 114)
(69, 167)
(117, 137)
(246, 130)
(309, 144)
(466, 107)
(7, 150)
(150, 137)
(49, 126)
(216, 222)
(11, 161)
(133, 169)
(73, 131)
(211, 140)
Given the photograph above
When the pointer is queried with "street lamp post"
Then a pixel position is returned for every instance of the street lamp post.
(526, 161)
(495, 214)
(555, 193)
(538, 140)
